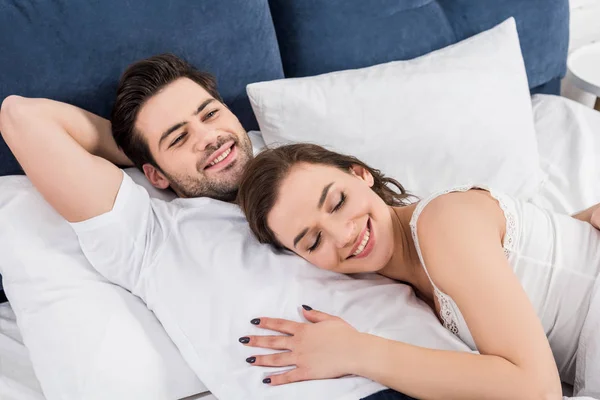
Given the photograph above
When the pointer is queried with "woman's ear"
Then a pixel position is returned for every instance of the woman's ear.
(362, 173)
(156, 178)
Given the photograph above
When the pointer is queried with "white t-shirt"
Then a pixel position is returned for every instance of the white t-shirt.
(199, 268)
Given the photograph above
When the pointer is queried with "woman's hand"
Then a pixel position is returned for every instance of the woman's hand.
(322, 349)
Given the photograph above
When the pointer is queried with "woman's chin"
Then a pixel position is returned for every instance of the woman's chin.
(367, 268)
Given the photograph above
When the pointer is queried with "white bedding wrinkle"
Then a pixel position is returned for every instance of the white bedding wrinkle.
(568, 135)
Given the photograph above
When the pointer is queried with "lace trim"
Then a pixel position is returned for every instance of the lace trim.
(447, 312)
(511, 224)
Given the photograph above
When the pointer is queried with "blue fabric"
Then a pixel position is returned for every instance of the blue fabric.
(75, 51)
(388, 395)
(318, 36)
(543, 27)
(551, 87)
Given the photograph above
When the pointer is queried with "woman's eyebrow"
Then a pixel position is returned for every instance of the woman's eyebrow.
(300, 236)
(324, 195)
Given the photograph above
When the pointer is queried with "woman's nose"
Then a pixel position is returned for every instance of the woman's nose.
(345, 232)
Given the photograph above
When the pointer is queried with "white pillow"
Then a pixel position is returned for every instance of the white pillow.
(568, 136)
(457, 115)
(199, 268)
(88, 338)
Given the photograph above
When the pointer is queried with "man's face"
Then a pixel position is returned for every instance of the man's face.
(200, 146)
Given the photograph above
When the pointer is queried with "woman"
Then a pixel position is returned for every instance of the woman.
(513, 281)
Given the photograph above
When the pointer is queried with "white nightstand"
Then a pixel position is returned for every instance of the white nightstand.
(584, 70)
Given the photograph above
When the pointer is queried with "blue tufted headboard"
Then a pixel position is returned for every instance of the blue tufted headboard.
(76, 51)
(318, 36)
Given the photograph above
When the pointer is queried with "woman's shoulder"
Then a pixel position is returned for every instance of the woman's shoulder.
(454, 228)
(458, 212)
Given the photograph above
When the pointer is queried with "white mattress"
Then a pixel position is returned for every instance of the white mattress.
(569, 139)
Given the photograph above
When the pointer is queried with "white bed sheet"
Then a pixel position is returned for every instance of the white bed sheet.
(569, 145)
(17, 378)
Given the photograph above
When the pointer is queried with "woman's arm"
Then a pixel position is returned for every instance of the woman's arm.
(460, 236)
(590, 215)
(438, 374)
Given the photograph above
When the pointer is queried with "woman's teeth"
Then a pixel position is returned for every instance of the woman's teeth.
(363, 244)
(221, 157)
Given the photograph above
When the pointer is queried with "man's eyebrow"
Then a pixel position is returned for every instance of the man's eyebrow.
(300, 236)
(324, 195)
(172, 129)
(202, 106)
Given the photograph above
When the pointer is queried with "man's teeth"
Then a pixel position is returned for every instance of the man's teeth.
(363, 244)
(221, 157)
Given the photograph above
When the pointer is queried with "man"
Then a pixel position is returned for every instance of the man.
(168, 120)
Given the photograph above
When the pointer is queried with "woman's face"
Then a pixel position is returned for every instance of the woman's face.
(333, 219)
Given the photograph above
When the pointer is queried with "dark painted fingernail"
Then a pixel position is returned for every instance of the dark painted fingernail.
(251, 360)
(255, 321)
(244, 340)
(267, 380)
(307, 308)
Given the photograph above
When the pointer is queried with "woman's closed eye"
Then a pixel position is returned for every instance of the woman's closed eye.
(316, 244)
(336, 208)
(340, 203)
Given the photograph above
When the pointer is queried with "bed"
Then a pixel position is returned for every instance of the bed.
(78, 52)
(558, 121)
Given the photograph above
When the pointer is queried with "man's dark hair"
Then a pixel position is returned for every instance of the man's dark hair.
(140, 82)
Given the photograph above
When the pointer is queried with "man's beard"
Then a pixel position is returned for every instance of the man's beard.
(224, 189)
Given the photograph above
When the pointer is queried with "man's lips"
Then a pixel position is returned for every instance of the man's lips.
(218, 153)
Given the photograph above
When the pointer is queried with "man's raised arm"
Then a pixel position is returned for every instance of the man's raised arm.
(68, 153)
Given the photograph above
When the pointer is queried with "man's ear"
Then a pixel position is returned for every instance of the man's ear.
(362, 173)
(156, 178)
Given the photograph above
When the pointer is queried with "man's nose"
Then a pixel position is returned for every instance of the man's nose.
(204, 136)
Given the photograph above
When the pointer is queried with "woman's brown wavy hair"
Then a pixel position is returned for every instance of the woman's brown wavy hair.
(262, 179)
